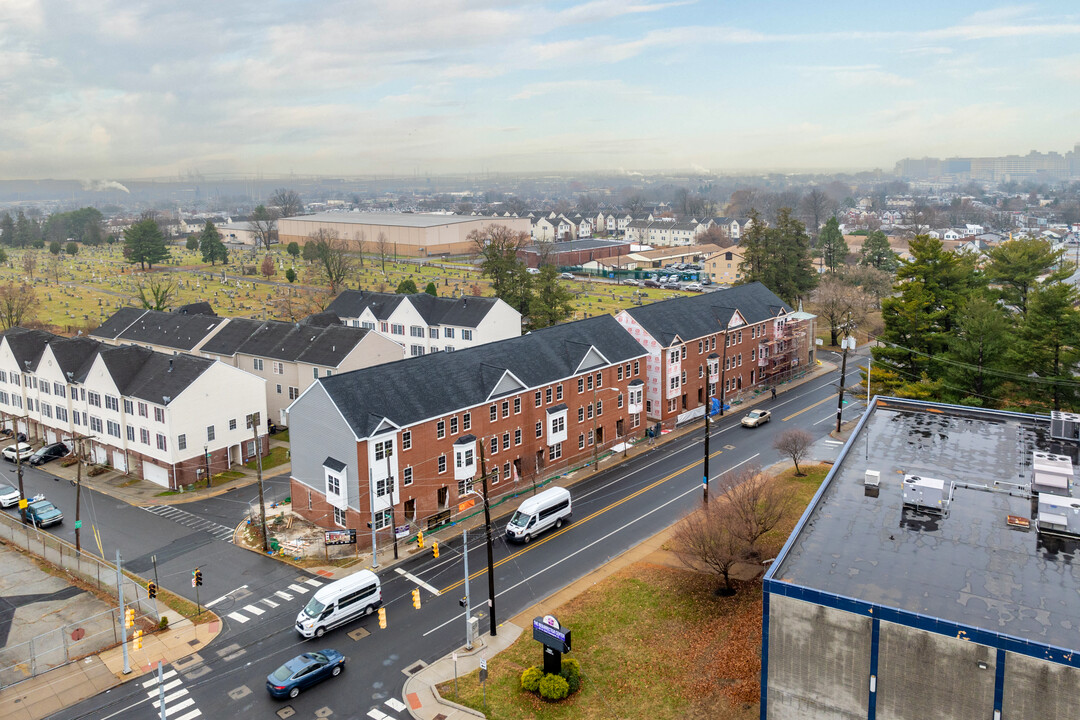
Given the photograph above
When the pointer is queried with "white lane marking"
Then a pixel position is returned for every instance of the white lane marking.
(154, 680)
(238, 617)
(376, 714)
(395, 704)
(215, 602)
(313, 582)
(269, 603)
(180, 706)
(189, 716)
(418, 581)
(693, 489)
(253, 610)
(169, 698)
(297, 589)
(283, 595)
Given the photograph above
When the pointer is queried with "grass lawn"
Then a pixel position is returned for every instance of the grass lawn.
(654, 642)
(277, 456)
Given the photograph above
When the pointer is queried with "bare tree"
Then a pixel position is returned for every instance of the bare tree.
(382, 247)
(874, 282)
(757, 501)
(815, 208)
(713, 235)
(287, 202)
(704, 541)
(263, 225)
(333, 258)
(18, 304)
(155, 292)
(360, 239)
(839, 303)
(56, 264)
(30, 263)
(796, 445)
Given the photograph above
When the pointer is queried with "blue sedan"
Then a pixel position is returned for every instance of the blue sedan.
(303, 671)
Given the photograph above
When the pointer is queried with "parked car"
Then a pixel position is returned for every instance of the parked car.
(649, 282)
(706, 281)
(756, 417)
(8, 495)
(693, 287)
(533, 271)
(22, 450)
(49, 452)
(630, 281)
(671, 286)
(566, 276)
(43, 513)
(303, 671)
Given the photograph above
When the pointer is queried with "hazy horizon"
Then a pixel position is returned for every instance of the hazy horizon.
(360, 89)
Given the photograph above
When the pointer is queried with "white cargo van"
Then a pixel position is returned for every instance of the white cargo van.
(548, 509)
(340, 602)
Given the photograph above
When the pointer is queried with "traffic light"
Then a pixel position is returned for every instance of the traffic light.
(151, 589)
(435, 549)
(420, 539)
(416, 598)
(129, 617)
(138, 640)
(463, 601)
(382, 618)
(196, 576)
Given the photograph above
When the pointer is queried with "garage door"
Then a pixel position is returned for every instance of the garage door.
(156, 474)
(101, 455)
(119, 460)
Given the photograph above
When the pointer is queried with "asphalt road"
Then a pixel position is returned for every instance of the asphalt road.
(258, 598)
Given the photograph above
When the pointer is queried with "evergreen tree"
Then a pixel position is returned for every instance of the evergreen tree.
(72, 249)
(293, 249)
(406, 287)
(831, 244)
(432, 290)
(977, 350)
(55, 247)
(1016, 265)
(211, 245)
(551, 303)
(778, 257)
(27, 231)
(1049, 345)
(876, 252)
(144, 244)
(7, 230)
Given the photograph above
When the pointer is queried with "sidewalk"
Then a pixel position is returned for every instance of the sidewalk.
(420, 694)
(42, 695)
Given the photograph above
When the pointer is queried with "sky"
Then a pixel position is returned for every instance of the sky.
(115, 89)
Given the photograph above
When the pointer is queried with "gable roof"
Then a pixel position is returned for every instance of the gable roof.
(173, 330)
(26, 345)
(325, 345)
(152, 376)
(695, 316)
(412, 390)
(460, 312)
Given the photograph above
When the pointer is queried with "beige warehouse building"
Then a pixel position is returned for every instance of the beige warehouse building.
(410, 235)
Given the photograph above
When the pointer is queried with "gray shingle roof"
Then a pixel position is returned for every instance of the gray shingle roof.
(27, 345)
(412, 390)
(460, 312)
(695, 316)
(178, 331)
(289, 342)
(117, 323)
(152, 376)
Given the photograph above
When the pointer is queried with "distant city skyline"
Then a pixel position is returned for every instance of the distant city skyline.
(111, 90)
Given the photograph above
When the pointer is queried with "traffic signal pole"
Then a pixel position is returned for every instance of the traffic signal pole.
(123, 624)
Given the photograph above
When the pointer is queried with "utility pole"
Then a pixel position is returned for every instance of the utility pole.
(123, 624)
(393, 506)
(723, 372)
(18, 466)
(848, 342)
(371, 503)
(258, 469)
(206, 461)
(78, 489)
(705, 479)
(487, 529)
(595, 444)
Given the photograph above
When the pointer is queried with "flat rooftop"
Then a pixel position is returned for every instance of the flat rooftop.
(418, 220)
(970, 566)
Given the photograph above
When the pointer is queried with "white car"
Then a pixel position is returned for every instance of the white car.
(8, 495)
(755, 418)
(24, 451)
(533, 271)
(566, 276)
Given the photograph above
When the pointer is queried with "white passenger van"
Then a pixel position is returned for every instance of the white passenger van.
(340, 602)
(538, 513)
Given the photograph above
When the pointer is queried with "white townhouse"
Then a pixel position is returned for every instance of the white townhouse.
(664, 233)
(543, 229)
(288, 356)
(165, 418)
(424, 324)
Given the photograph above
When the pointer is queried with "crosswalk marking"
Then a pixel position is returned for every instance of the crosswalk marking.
(269, 603)
(297, 589)
(169, 698)
(154, 680)
(238, 617)
(313, 582)
(395, 704)
(253, 610)
(377, 714)
(179, 706)
(188, 716)
(190, 520)
(283, 595)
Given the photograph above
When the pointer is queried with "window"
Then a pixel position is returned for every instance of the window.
(416, 350)
(93, 398)
(257, 364)
(619, 373)
(383, 326)
(128, 406)
(113, 428)
(406, 477)
(61, 414)
(406, 440)
(494, 412)
(279, 389)
(466, 421)
(315, 373)
(448, 333)
(4, 397)
(440, 430)
(495, 475)
(580, 385)
(95, 424)
(517, 406)
(159, 414)
(367, 325)
(517, 436)
(46, 410)
(581, 414)
(539, 399)
(161, 444)
(588, 383)
(279, 368)
(466, 334)
(15, 379)
(232, 424)
(494, 444)
(636, 368)
(547, 396)
(464, 487)
(589, 411)
(442, 464)
(131, 434)
(683, 352)
(209, 433)
(3, 376)
(384, 486)
(700, 346)
(453, 425)
(738, 337)
(620, 401)
(181, 440)
(506, 441)
(701, 371)
(599, 407)
(581, 441)
(539, 429)
(397, 329)
(449, 348)
(555, 451)
(144, 436)
(433, 333)
(45, 388)
(384, 449)
(294, 392)
(506, 471)
(416, 331)
(558, 424)
(143, 411)
(339, 517)
(505, 408)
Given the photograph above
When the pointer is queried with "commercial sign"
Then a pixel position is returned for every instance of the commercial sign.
(548, 631)
(339, 537)
(401, 531)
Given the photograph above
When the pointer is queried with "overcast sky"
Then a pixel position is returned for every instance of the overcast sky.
(130, 88)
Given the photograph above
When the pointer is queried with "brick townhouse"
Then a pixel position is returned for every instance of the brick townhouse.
(738, 339)
(414, 429)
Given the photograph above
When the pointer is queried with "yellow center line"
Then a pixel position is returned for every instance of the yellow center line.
(819, 402)
(537, 543)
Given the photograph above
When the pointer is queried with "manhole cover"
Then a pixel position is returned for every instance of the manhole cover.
(415, 668)
(323, 712)
(240, 692)
(194, 643)
(77, 634)
(287, 712)
(186, 661)
(359, 634)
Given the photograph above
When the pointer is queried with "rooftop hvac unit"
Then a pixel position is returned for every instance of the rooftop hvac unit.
(1058, 515)
(872, 478)
(1051, 473)
(926, 494)
(1064, 426)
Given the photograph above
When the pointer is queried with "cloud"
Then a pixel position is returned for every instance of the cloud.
(102, 185)
(857, 75)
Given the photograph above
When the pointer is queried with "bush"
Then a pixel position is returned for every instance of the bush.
(163, 624)
(554, 687)
(571, 672)
(530, 679)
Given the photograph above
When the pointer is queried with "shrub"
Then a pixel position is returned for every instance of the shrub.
(554, 687)
(163, 623)
(530, 679)
(571, 672)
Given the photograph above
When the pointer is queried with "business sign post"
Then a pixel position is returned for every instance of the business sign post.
(340, 537)
(555, 639)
